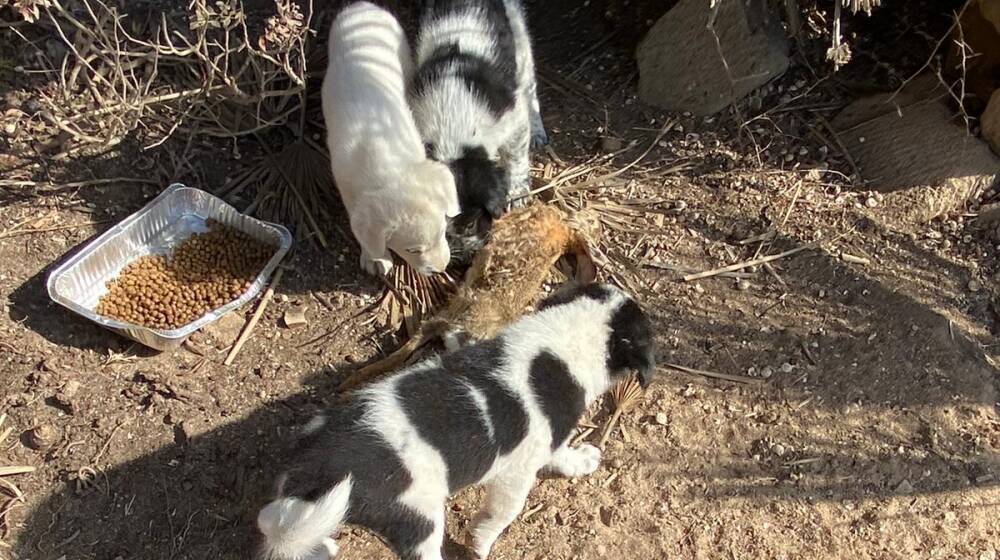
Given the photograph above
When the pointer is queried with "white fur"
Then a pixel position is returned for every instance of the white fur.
(293, 527)
(397, 199)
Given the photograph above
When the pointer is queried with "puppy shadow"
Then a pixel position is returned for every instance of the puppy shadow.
(454, 550)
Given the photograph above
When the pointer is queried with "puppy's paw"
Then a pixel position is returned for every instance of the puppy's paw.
(479, 544)
(539, 139)
(455, 339)
(377, 267)
(331, 547)
(580, 461)
(520, 194)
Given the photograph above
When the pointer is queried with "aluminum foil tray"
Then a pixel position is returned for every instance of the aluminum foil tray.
(160, 226)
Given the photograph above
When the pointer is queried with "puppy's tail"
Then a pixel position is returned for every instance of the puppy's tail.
(295, 528)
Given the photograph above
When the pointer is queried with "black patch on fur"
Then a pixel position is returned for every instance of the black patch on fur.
(492, 83)
(482, 183)
(439, 406)
(572, 293)
(476, 364)
(342, 447)
(630, 346)
(494, 80)
(559, 395)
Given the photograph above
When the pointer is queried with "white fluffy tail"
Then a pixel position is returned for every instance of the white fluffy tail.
(297, 529)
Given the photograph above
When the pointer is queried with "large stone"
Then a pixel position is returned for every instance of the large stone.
(680, 64)
(913, 148)
(990, 122)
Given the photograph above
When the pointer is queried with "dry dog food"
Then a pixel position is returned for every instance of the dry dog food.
(205, 272)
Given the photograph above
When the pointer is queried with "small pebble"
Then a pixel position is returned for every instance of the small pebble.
(742, 285)
(975, 285)
(41, 437)
(778, 450)
(767, 372)
(661, 418)
(787, 367)
(871, 202)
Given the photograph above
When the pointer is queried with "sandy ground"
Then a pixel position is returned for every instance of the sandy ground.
(871, 428)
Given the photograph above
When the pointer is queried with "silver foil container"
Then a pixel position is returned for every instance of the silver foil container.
(158, 228)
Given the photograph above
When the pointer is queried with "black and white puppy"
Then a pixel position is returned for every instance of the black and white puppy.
(474, 98)
(493, 413)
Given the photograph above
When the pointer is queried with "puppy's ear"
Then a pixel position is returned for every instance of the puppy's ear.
(451, 206)
(431, 176)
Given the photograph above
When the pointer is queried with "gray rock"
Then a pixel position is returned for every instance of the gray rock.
(679, 64)
(911, 149)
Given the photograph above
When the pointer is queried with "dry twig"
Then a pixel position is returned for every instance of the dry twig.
(715, 375)
(257, 314)
(624, 396)
(753, 262)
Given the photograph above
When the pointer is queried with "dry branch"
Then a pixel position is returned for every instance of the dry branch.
(189, 70)
(248, 329)
(753, 262)
(714, 375)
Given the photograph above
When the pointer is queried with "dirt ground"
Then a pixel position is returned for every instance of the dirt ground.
(871, 430)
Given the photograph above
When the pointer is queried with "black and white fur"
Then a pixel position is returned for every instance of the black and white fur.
(474, 98)
(493, 413)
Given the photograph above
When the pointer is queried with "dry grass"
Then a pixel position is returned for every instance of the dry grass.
(198, 69)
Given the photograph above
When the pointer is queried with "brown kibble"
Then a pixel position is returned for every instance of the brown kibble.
(205, 272)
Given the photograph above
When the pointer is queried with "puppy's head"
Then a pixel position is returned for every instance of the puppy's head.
(482, 183)
(429, 199)
(630, 341)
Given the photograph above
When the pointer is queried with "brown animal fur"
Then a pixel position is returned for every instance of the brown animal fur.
(505, 278)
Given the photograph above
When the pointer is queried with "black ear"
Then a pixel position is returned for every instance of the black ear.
(571, 291)
(481, 183)
(496, 197)
(631, 344)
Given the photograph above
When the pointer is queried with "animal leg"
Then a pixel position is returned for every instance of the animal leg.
(575, 461)
(429, 548)
(539, 138)
(518, 162)
(505, 497)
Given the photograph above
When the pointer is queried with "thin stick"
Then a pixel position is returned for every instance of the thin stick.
(107, 444)
(612, 422)
(76, 184)
(248, 329)
(754, 262)
(8, 471)
(19, 233)
(933, 51)
(840, 144)
(716, 375)
(688, 270)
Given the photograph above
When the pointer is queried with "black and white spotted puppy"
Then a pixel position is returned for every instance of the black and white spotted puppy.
(493, 413)
(474, 98)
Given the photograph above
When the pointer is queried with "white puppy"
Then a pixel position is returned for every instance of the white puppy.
(397, 198)
(493, 413)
